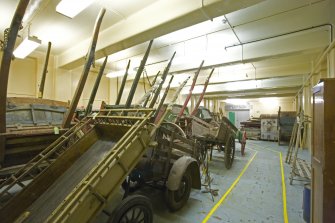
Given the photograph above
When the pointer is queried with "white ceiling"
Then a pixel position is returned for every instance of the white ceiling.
(64, 32)
(277, 48)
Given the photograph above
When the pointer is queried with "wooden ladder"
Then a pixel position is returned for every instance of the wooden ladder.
(300, 169)
(40, 162)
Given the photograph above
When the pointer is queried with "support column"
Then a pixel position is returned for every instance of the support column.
(307, 111)
(331, 64)
(214, 105)
(223, 107)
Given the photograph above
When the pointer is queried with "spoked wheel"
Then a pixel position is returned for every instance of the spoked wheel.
(229, 152)
(133, 209)
(174, 127)
(177, 199)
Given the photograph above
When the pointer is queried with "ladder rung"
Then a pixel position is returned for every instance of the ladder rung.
(21, 184)
(31, 175)
(125, 169)
(11, 195)
(39, 168)
(48, 161)
(57, 153)
(13, 178)
(101, 198)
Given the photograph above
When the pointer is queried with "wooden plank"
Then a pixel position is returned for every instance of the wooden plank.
(28, 141)
(298, 168)
(306, 168)
(26, 197)
(27, 101)
(57, 192)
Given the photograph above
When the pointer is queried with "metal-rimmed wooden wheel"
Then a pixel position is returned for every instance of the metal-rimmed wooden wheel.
(229, 151)
(133, 209)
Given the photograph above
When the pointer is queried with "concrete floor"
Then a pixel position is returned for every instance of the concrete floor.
(256, 197)
(256, 194)
(251, 191)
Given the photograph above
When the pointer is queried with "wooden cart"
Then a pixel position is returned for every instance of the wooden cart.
(213, 134)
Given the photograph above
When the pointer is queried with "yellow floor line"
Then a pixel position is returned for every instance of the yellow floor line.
(285, 216)
(210, 213)
(284, 189)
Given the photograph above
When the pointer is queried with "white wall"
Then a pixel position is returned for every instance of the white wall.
(268, 106)
(61, 85)
(22, 78)
(25, 76)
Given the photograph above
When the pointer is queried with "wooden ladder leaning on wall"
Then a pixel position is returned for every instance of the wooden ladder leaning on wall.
(301, 169)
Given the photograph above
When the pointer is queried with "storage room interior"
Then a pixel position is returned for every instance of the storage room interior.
(264, 69)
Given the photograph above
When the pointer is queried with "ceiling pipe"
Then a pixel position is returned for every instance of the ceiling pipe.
(232, 29)
(250, 79)
(202, 9)
(288, 33)
(330, 47)
(167, 21)
(254, 41)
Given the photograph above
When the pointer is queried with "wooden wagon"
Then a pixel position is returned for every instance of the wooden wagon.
(214, 134)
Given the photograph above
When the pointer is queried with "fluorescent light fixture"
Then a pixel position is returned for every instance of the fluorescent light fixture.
(28, 45)
(71, 8)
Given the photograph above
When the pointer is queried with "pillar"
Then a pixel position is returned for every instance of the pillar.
(331, 64)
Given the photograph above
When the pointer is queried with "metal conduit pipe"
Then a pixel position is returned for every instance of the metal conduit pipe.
(271, 37)
(288, 33)
(331, 46)
(232, 29)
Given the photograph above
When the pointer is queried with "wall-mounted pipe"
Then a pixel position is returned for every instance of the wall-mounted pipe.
(318, 63)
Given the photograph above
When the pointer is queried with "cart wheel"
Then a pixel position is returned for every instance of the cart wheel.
(134, 209)
(177, 199)
(176, 128)
(229, 152)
